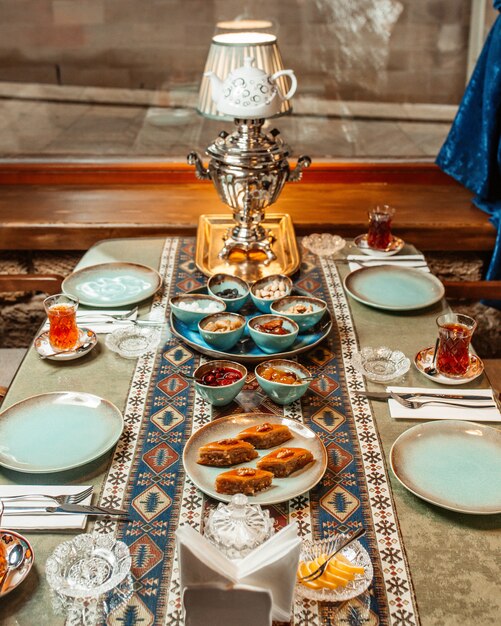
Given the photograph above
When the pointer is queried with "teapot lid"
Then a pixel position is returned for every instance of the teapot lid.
(248, 70)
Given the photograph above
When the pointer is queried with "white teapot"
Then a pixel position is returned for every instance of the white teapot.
(249, 92)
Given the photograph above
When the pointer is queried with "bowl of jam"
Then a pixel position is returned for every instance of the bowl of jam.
(219, 382)
(273, 333)
(283, 381)
(232, 290)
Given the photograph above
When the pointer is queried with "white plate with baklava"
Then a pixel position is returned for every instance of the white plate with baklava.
(269, 458)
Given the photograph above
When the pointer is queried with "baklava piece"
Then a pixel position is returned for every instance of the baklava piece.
(226, 452)
(247, 480)
(284, 461)
(266, 435)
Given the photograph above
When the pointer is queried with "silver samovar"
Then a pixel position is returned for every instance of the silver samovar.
(249, 169)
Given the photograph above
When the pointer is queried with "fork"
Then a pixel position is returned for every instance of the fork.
(321, 569)
(117, 316)
(72, 498)
(416, 404)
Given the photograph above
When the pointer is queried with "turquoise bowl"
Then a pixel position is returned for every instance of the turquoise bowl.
(222, 341)
(219, 396)
(207, 304)
(305, 321)
(282, 393)
(264, 304)
(273, 343)
(220, 282)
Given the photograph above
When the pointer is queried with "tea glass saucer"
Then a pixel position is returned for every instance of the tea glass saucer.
(10, 543)
(86, 336)
(394, 246)
(424, 360)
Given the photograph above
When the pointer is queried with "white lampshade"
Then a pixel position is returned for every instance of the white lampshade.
(227, 52)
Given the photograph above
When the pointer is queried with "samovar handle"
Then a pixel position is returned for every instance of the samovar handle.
(201, 173)
(302, 163)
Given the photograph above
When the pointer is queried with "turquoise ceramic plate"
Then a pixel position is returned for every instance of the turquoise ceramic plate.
(57, 431)
(451, 463)
(394, 288)
(112, 284)
(246, 351)
(282, 489)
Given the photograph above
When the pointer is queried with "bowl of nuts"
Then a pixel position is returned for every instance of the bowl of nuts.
(232, 290)
(267, 290)
(222, 330)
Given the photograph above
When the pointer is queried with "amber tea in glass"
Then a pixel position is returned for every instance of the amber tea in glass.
(379, 235)
(62, 313)
(453, 354)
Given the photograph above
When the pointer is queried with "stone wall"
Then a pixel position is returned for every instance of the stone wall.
(385, 50)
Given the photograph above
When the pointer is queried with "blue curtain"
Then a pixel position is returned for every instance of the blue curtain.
(472, 151)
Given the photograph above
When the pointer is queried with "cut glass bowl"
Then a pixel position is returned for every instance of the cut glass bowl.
(133, 341)
(89, 577)
(355, 553)
(323, 244)
(381, 364)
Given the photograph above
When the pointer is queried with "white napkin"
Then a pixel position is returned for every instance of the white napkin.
(239, 604)
(442, 411)
(406, 260)
(96, 320)
(272, 566)
(42, 521)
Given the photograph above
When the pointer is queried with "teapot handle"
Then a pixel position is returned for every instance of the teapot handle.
(292, 76)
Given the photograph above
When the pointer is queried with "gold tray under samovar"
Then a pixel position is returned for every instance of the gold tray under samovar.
(249, 266)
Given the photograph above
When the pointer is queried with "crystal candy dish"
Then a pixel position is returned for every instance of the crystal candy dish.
(323, 244)
(381, 364)
(134, 341)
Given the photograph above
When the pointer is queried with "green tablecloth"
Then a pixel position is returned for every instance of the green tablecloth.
(453, 558)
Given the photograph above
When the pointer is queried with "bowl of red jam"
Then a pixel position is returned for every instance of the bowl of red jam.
(273, 333)
(283, 381)
(219, 382)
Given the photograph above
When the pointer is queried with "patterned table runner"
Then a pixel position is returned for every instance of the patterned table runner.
(163, 410)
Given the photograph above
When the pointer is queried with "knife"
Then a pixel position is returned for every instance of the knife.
(80, 509)
(384, 395)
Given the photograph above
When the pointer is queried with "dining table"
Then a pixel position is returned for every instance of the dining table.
(432, 566)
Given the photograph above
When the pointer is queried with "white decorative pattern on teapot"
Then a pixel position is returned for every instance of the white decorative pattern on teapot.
(249, 92)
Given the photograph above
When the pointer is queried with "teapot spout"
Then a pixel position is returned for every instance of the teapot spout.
(216, 85)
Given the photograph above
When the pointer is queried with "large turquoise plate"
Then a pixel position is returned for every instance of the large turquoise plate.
(54, 432)
(394, 288)
(246, 351)
(451, 463)
(112, 284)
